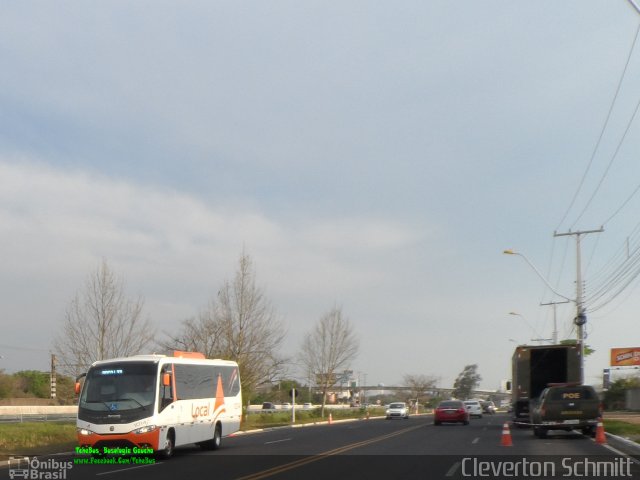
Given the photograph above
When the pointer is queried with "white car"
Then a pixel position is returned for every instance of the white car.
(474, 408)
(397, 410)
(286, 406)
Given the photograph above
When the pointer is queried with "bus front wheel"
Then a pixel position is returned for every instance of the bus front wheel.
(167, 450)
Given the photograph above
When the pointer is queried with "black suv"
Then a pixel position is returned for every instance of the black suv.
(565, 407)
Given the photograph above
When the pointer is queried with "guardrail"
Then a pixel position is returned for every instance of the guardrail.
(37, 417)
(37, 413)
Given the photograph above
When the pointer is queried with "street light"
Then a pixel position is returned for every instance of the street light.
(554, 338)
(532, 329)
(580, 319)
(511, 252)
(525, 321)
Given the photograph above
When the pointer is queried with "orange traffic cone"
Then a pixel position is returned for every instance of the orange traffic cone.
(505, 441)
(330, 419)
(600, 436)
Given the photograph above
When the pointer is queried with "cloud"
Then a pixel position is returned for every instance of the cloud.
(173, 248)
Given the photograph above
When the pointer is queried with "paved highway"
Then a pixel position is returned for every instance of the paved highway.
(398, 449)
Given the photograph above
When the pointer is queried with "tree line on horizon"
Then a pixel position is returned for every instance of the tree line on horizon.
(239, 323)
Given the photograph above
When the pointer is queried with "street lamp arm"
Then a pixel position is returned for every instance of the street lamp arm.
(546, 282)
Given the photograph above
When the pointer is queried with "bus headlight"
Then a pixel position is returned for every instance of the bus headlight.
(84, 431)
(145, 429)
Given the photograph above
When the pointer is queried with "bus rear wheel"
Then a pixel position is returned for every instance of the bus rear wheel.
(215, 442)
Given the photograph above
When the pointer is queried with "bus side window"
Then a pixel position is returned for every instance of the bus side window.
(166, 391)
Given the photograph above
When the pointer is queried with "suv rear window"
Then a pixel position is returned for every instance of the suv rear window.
(571, 393)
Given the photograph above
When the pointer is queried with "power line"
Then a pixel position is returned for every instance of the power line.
(613, 157)
(623, 277)
(607, 276)
(624, 204)
(603, 129)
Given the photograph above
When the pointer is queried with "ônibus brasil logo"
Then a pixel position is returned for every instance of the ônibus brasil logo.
(50, 469)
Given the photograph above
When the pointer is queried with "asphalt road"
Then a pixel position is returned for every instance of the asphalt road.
(397, 449)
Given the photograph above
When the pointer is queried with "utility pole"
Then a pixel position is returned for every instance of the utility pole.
(555, 322)
(53, 376)
(581, 317)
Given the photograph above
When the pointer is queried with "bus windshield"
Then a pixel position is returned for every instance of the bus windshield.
(119, 392)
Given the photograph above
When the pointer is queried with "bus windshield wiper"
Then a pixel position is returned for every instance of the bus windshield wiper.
(106, 404)
(131, 400)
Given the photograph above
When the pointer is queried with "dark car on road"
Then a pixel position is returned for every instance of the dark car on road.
(451, 411)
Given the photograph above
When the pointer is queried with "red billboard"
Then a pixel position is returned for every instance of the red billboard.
(625, 357)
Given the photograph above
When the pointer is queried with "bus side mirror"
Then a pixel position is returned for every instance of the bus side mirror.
(166, 379)
(77, 388)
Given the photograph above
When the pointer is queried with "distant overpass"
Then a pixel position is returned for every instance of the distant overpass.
(433, 392)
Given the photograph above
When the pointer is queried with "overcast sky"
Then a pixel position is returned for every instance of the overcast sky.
(373, 155)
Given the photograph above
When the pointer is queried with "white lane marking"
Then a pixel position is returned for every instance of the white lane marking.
(622, 454)
(278, 441)
(453, 469)
(476, 440)
(125, 469)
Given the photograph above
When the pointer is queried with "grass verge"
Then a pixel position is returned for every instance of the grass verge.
(623, 429)
(282, 418)
(36, 438)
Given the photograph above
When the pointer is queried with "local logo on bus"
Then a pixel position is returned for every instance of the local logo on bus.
(200, 410)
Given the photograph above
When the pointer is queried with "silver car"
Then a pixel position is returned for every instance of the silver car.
(397, 410)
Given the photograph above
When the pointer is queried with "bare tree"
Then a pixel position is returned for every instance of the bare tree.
(241, 325)
(329, 348)
(201, 334)
(419, 385)
(100, 323)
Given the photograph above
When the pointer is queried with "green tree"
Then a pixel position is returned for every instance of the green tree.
(615, 397)
(65, 391)
(572, 341)
(284, 389)
(33, 383)
(466, 382)
(6, 385)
